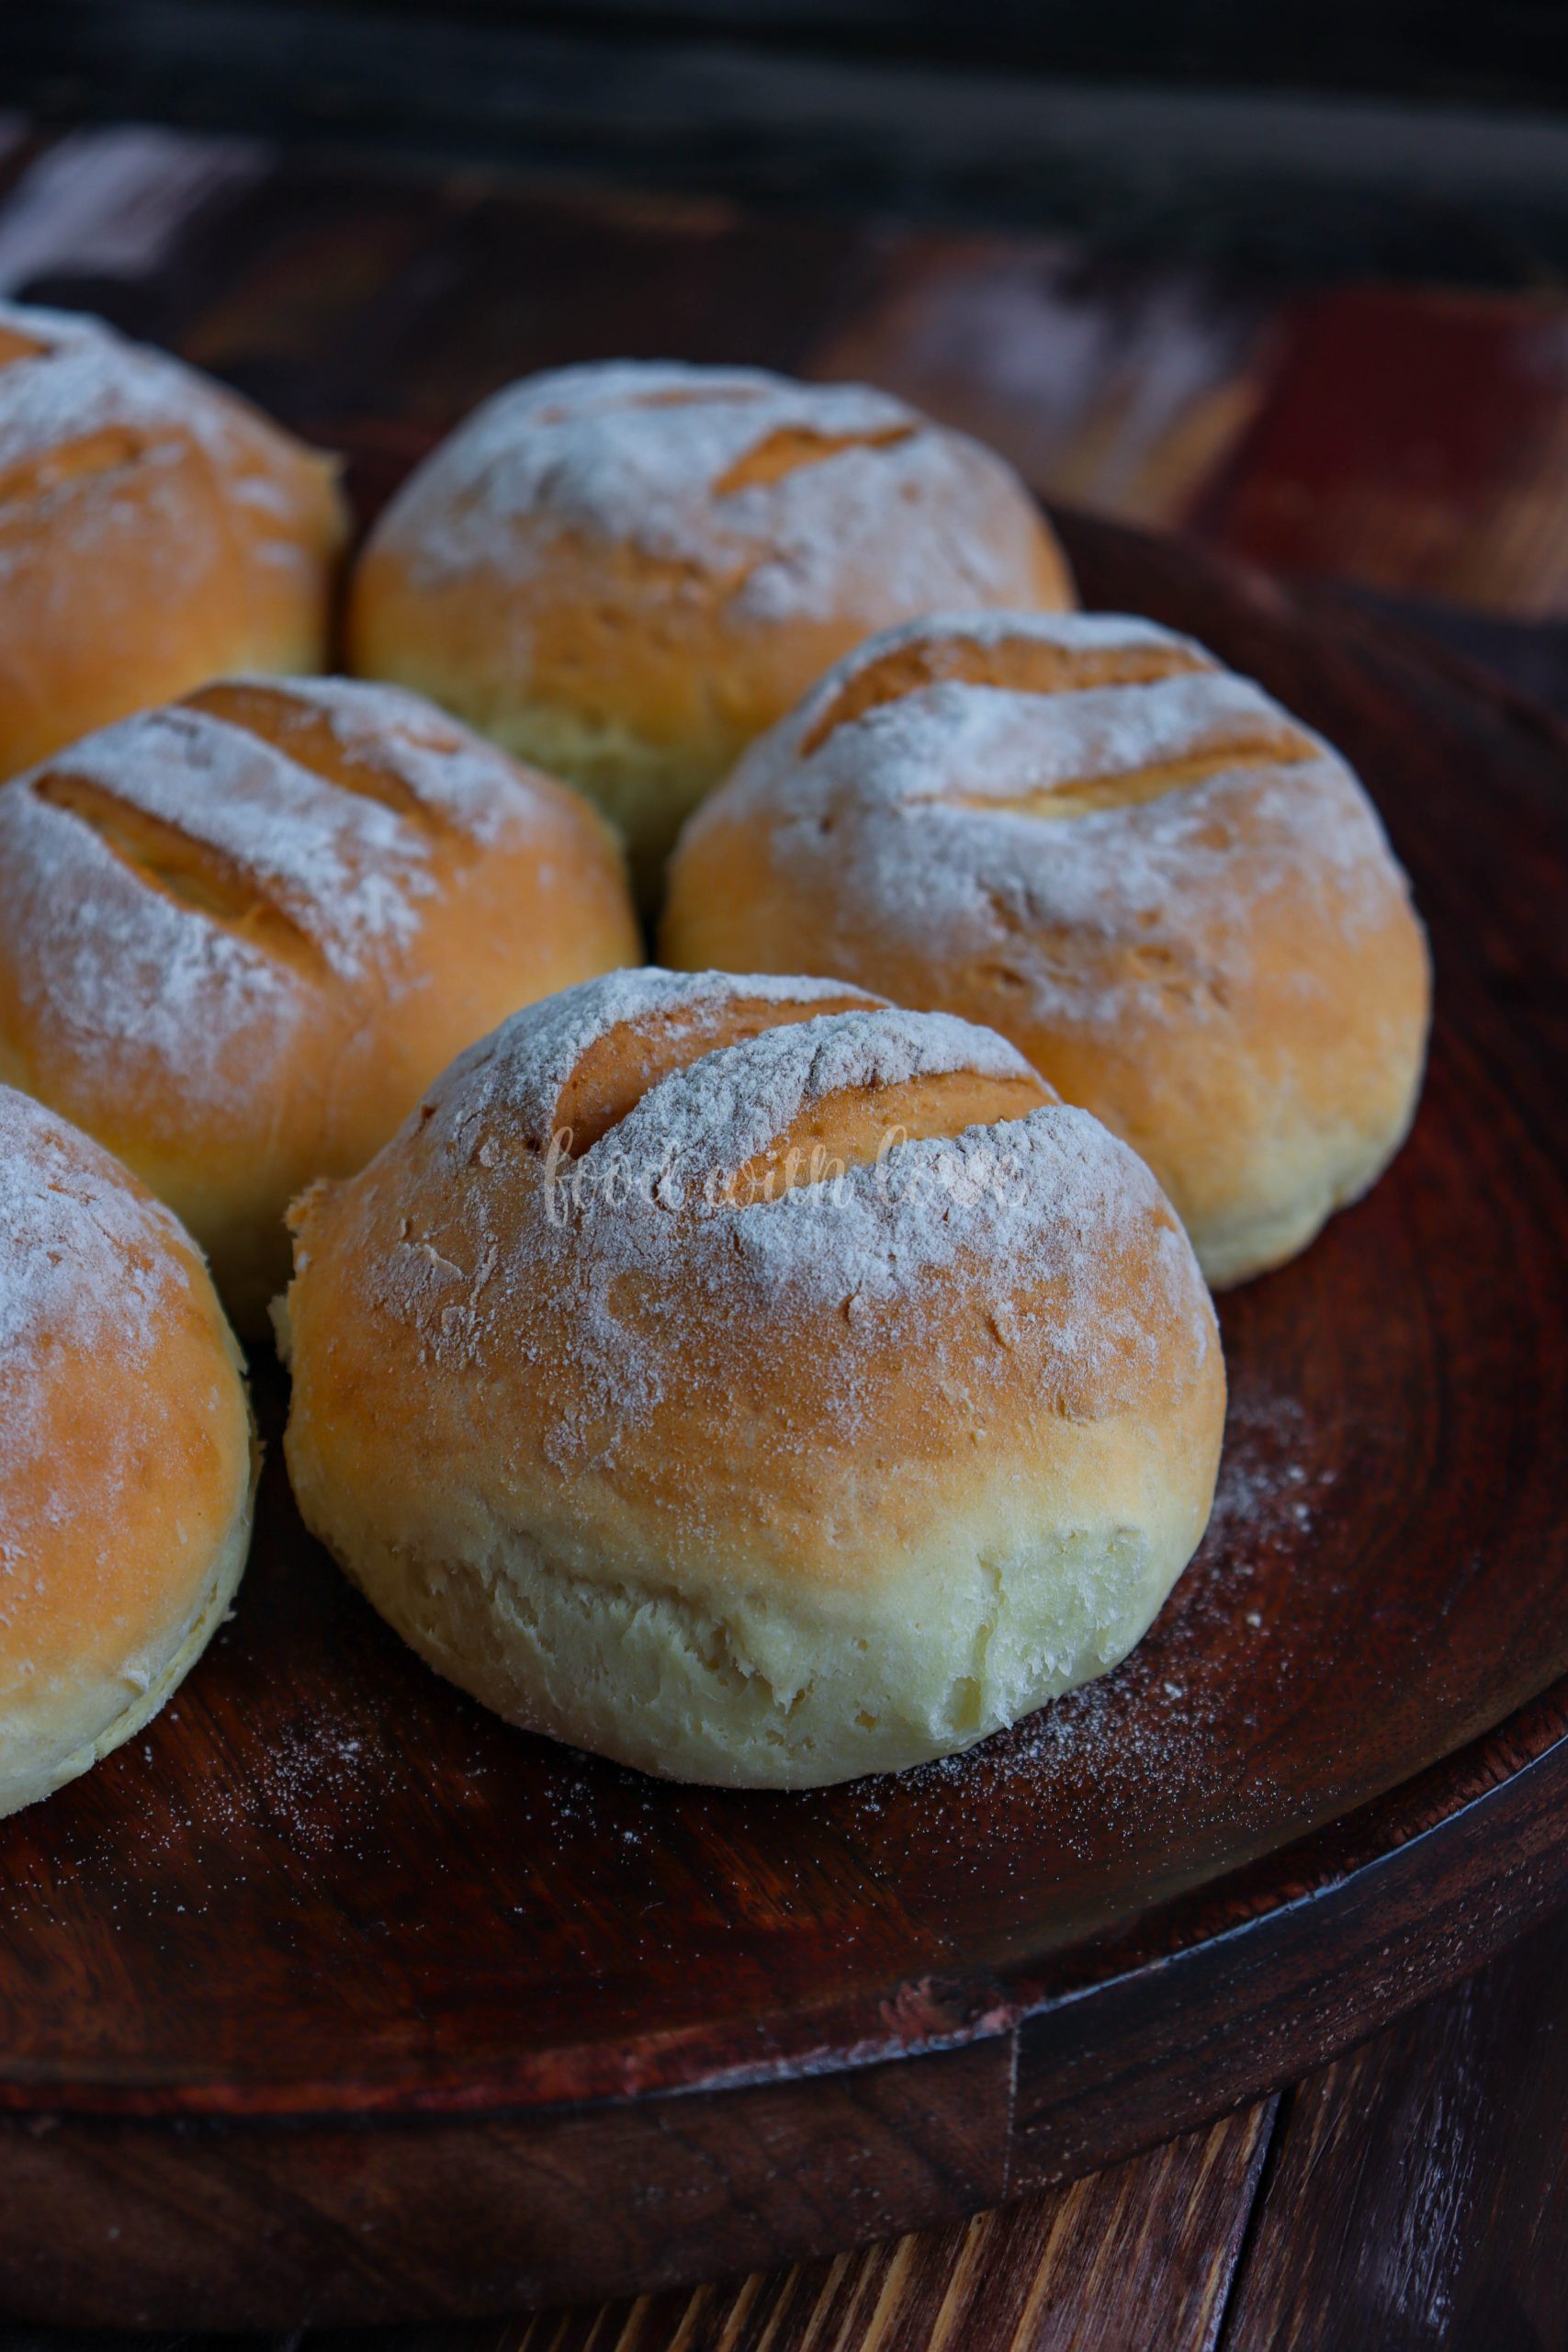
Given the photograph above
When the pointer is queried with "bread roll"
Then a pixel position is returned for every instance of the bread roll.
(126, 1466)
(239, 935)
(752, 1382)
(154, 530)
(1174, 898)
(624, 573)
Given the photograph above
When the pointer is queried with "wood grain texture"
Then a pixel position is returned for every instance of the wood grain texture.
(1417, 2194)
(118, 2223)
(1141, 2253)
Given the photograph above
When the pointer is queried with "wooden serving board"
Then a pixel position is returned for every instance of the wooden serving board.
(334, 1999)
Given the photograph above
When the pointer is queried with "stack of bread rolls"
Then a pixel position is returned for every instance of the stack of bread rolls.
(792, 1365)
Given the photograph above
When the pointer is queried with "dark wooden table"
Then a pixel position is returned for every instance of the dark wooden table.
(1414, 2193)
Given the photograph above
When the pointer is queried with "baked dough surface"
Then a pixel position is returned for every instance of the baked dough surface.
(752, 1382)
(239, 934)
(622, 573)
(126, 1462)
(1174, 898)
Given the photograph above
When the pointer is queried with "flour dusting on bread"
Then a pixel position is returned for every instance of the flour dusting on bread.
(655, 456)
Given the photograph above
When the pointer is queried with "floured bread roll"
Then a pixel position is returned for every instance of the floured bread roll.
(237, 936)
(1178, 902)
(126, 1468)
(154, 530)
(752, 1382)
(624, 571)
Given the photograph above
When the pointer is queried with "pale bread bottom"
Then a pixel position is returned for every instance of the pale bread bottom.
(1320, 1175)
(646, 789)
(801, 1689)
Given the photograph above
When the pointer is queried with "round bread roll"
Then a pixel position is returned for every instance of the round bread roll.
(1172, 897)
(626, 572)
(154, 530)
(127, 1463)
(752, 1382)
(240, 936)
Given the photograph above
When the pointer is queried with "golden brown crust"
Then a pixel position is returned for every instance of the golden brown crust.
(126, 1457)
(238, 936)
(154, 530)
(861, 1355)
(619, 1065)
(1011, 660)
(628, 573)
(1170, 896)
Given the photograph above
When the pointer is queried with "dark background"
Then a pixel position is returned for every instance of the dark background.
(1411, 138)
